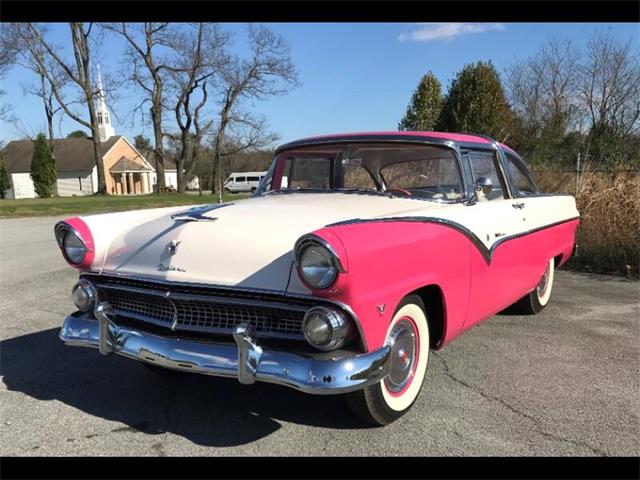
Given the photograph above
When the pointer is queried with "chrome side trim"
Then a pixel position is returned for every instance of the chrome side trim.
(487, 253)
(245, 360)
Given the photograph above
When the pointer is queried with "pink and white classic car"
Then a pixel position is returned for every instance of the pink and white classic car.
(356, 256)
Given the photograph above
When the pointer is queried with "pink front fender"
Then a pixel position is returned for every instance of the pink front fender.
(389, 259)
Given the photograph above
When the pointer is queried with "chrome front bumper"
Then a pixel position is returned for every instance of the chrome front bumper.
(245, 360)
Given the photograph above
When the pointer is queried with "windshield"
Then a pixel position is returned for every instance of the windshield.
(423, 171)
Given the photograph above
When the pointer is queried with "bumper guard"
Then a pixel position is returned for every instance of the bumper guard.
(247, 360)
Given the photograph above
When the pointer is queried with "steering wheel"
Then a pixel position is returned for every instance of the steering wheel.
(401, 190)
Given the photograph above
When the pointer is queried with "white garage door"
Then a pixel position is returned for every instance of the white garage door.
(74, 183)
(22, 186)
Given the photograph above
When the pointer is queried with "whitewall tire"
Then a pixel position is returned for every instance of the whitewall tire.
(408, 336)
(535, 301)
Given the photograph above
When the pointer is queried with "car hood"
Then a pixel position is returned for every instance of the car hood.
(246, 244)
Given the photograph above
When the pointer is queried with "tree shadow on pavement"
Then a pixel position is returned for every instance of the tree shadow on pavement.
(206, 410)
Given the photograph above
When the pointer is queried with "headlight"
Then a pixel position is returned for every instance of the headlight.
(76, 242)
(73, 247)
(317, 265)
(83, 295)
(325, 328)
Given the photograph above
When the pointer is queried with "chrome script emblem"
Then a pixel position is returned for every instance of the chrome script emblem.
(163, 267)
(173, 247)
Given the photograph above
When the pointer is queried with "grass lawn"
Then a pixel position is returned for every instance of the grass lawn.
(31, 207)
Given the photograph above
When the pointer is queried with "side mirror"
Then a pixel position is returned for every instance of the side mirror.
(482, 185)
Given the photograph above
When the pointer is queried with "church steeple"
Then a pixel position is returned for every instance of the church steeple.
(104, 118)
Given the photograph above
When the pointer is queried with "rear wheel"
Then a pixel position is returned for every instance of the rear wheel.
(535, 301)
(408, 336)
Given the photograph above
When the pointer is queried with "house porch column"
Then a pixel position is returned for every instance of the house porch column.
(131, 185)
(123, 182)
(145, 182)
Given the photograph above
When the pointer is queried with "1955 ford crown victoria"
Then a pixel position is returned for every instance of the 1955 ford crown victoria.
(356, 256)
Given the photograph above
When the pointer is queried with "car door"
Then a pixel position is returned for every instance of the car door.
(496, 220)
(541, 211)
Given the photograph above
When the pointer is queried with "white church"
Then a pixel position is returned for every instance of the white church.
(127, 171)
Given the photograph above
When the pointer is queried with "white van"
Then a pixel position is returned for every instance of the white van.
(243, 182)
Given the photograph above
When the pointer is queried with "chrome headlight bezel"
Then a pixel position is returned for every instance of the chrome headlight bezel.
(340, 328)
(63, 231)
(86, 288)
(324, 248)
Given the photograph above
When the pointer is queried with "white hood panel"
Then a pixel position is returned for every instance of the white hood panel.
(246, 244)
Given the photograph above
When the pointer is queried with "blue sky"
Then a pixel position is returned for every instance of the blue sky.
(355, 76)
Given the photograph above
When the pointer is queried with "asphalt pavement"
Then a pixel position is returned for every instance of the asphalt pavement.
(564, 382)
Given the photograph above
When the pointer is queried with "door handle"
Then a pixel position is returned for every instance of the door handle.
(519, 205)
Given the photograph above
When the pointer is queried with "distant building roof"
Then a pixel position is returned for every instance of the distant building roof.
(126, 165)
(71, 154)
(150, 155)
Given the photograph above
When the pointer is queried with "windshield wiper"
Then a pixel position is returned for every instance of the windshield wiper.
(359, 190)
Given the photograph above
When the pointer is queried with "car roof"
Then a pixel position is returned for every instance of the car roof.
(443, 136)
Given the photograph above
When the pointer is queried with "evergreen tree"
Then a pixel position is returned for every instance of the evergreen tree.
(5, 180)
(476, 103)
(78, 134)
(43, 167)
(425, 106)
(142, 143)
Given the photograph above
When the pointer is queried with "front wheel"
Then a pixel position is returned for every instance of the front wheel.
(408, 336)
(535, 301)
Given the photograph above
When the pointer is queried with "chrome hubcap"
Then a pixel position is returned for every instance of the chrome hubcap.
(544, 283)
(403, 354)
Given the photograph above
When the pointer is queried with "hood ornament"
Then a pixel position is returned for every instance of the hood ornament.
(173, 246)
(197, 214)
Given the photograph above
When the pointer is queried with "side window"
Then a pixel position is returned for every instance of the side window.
(253, 179)
(519, 180)
(241, 179)
(483, 164)
(307, 172)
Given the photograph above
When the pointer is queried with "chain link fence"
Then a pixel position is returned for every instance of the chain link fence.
(608, 198)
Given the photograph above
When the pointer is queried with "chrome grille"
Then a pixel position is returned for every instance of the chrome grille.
(140, 306)
(204, 313)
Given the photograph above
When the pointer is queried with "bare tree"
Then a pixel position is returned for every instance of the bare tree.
(609, 86)
(32, 57)
(147, 69)
(200, 55)
(77, 74)
(8, 52)
(268, 72)
(541, 89)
